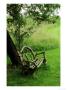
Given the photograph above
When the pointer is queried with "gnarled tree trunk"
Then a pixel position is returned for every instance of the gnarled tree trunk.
(12, 51)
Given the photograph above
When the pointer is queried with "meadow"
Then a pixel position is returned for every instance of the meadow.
(46, 37)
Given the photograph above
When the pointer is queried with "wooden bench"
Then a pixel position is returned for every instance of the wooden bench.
(29, 66)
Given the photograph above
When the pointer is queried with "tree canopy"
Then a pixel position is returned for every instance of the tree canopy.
(36, 11)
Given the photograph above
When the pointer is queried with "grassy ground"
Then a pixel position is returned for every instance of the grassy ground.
(48, 75)
(46, 37)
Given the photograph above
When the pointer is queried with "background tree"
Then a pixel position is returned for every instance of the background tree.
(35, 13)
(42, 12)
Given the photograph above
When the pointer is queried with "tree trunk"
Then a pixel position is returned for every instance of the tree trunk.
(12, 51)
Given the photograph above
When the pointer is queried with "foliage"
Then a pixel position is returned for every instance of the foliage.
(41, 12)
(14, 11)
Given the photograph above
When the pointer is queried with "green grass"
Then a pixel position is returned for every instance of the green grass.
(48, 75)
(46, 36)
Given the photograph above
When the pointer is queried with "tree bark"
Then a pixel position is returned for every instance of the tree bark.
(12, 51)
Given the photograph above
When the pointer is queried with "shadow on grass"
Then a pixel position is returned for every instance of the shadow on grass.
(15, 77)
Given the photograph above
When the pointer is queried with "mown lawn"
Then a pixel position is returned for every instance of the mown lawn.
(48, 75)
(46, 37)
